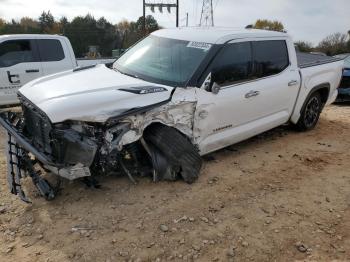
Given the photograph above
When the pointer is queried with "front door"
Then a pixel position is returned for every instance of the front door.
(19, 64)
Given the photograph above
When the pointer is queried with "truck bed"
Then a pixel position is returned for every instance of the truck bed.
(307, 59)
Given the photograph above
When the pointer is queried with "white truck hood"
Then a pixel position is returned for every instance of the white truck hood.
(93, 94)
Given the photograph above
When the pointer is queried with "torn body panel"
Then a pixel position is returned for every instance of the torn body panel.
(77, 149)
(178, 113)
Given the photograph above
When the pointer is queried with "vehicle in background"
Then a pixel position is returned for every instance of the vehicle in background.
(318, 53)
(174, 96)
(344, 87)
(342, 56)
(24, 58)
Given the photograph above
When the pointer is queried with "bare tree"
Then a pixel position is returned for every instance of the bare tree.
(334, 44)
(304, 46)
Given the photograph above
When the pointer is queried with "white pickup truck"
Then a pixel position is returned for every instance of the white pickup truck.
(174, 96)
(24, 58)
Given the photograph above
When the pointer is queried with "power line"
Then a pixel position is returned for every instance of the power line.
(160, 4)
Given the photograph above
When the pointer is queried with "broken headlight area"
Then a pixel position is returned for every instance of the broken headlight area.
(73, 150)
(68, 147)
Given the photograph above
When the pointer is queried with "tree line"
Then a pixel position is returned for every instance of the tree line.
(334, 44)
(84, 31)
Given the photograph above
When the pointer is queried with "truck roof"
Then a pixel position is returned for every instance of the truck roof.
(31, 36)
(214, 35)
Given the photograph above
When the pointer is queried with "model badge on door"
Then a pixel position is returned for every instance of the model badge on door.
(13, 79)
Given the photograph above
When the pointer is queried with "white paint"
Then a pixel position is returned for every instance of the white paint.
(238, 117)
(214, 35)
(89, 95)
(211, 121)
(8, 90)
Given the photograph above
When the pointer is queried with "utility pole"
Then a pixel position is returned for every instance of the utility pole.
(144, 18)
(207, 16)
(177, 13)
(160, 5)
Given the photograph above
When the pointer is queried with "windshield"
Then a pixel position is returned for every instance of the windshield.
(163, 60)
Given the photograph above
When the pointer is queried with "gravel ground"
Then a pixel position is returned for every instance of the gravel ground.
(281, 196)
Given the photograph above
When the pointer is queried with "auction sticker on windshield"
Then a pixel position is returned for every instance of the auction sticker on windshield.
(199, 45)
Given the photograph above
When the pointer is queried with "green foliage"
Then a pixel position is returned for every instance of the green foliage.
(46, 22)
(269, 25)
(304, 46)
(131, 32)
(84, 31)
(2, 22)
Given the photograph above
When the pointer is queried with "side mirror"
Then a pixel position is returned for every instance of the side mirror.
(215, 88)
(215, 80)
(210, 84)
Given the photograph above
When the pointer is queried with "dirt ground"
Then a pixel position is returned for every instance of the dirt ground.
(281, 196)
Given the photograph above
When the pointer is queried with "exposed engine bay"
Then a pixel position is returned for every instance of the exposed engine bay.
(80, 150)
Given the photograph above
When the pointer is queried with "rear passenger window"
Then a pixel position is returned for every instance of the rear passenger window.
(50, 50)
(233, 64)
(13, 52)
(270, 57)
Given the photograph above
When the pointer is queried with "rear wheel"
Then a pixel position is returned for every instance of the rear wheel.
(310, 113)
(179, 153)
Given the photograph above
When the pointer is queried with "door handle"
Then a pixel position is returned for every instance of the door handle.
(32, 71)
(293, 83)
(251, 94)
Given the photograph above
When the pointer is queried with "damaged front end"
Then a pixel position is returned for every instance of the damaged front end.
(35, 145)
(75, 149)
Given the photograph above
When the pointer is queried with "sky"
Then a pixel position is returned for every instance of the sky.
(309, 20)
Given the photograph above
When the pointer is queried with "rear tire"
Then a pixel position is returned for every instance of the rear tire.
(177, 149)
(310, 113)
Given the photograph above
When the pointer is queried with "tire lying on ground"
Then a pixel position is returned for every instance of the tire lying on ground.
(179, 153)
(310, 113)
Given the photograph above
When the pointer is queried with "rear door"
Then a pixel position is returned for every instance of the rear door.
(277, 79)
(54, 56)
(19, 64)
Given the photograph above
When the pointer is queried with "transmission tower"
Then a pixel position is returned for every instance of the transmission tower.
(207, 17)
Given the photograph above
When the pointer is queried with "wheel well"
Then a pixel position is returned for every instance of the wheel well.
(324, 92)
(154, 124)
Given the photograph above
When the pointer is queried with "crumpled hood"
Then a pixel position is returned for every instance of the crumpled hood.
(93, 94)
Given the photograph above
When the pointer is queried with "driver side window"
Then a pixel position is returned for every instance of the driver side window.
(13, 52)
(233, 64)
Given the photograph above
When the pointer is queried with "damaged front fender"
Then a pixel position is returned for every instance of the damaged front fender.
(178, 113)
